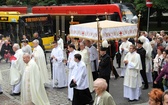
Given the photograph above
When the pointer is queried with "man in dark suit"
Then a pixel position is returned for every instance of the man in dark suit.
(104, 66)
(142, 52)
(36, 36)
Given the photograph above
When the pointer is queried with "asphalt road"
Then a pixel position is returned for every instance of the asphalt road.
(59, 96)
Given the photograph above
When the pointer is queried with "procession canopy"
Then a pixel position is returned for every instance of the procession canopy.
(109, 30)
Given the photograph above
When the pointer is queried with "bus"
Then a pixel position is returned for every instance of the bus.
(67, 14)
(64, 14)
(15, 24)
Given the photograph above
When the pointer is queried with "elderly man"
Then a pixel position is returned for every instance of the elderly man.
(36, 36)
(16, 70)
(102, 96)
(86, 59)
(93, 58)
(59, 74)
(38, 56)
(32, 91)
(132, 79)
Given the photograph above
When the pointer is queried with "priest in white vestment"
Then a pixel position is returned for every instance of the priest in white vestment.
(93, 58)
(71, 64)
(16, 70)
(1, 91)
(32, 88)
(132, 79)
(124, 49)
(86, 59)
(147, 46)
(59, 73)
(39, 57)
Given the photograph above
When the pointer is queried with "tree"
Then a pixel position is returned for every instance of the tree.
(158, 6)
(2, 2)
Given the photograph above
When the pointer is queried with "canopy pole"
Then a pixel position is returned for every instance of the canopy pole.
(138, 25)
(98, 33)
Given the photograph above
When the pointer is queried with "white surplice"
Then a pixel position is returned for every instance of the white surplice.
(59, 73)
(86, 59)
(16, 71)
(71, 64)
(79, 74)
(39, 57)
(132, 79)
(125, 46)
(32, 89)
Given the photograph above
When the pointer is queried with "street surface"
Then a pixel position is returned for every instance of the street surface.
(59, 96)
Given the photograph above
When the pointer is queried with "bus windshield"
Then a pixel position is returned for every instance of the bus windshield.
(128, 13)
(40, 24)
(8, 29)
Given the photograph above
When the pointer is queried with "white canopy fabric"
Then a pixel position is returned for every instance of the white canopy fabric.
(108, 30)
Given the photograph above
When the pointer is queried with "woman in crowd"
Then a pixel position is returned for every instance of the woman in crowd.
(155, 97)
(102, 96)
(164, 73)
(157, 67)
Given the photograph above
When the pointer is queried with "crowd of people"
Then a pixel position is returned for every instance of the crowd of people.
(142, 60)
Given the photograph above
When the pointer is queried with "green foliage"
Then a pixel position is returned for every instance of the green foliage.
(47, 2)
(2, 2)
(33, 2)
(11, 2)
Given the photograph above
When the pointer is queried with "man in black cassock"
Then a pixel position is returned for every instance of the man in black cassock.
(142, 52)
(104, 66)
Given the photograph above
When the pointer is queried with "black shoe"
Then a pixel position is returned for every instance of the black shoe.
(121, 76)
(132, 100)
(1, 92)
(91, 102)
(116, 77)
(15, 94)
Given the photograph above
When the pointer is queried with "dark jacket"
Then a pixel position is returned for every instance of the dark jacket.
(164, 72)
(104, 66)
(142, 53)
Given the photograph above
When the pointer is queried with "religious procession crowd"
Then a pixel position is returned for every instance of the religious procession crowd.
(142, 61)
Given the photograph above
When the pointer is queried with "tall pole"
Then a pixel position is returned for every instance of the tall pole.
(138, 25)
(148, 19)
(98, 33)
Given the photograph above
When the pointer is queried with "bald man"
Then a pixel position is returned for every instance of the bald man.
(16, 70)
(32, 89)
(39, 57)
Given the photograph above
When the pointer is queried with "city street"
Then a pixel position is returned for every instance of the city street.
(59, 96)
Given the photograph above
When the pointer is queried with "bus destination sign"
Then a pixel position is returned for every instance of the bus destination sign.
(36, 19)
